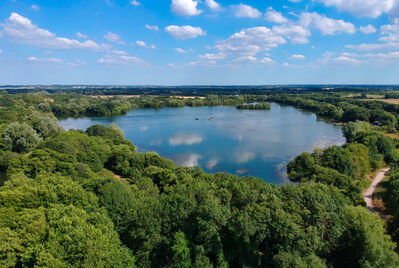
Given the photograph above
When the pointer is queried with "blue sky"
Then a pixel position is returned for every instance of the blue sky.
(186, 42)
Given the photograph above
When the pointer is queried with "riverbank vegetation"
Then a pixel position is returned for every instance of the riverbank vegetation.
(88, 198)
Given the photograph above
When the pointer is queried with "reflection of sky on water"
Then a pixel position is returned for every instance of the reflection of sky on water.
(258, 143)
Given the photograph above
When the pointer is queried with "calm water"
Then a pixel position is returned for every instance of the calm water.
(258, 143)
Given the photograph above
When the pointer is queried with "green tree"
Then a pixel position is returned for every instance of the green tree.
(181, 251)
(20, 138)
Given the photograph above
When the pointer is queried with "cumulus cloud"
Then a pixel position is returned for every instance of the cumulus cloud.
(184, 32)
(152, 27)
(135, 3)
(274, 16)
(143, 44)
(21, 30)
(298, 57)
(297, 34)
(185, 7)
(213, 5)
(369, 29)
(363, 8)
(181, 51)
(389, 39)
(242, 11)
(325, 25)
(113, 37)
(250, 41)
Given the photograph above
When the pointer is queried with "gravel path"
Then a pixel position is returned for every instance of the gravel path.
(368, 194)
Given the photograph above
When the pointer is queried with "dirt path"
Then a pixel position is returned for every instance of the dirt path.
(368, 194)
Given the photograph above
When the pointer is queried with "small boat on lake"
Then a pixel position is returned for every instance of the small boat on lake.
(210, 118)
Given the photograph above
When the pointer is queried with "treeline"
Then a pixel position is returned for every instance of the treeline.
(254, 106)
(340, 109)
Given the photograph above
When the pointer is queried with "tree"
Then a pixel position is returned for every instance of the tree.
(181, 251)
(351, 129)
(48, 127)
(20, 138)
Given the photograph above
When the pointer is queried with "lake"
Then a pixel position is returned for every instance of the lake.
(259, 143)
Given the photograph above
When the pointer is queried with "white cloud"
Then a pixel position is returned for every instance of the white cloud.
(143, 44)
(185, 7)
(266, 60)
(242, 10)
(112, 37)
(375, 46)
(80, 35)
(343, 59)
(274, 16)
(250, 41)
(249, 58)
(363, 8)
(184, 32)
(389, 39)
(54, 60)
(298, 57)
(325, 25)
(21, 30)
(213, 57)
(135, 3)
(172, 65)
(181, 51)
(152, 27)
(1, 51)
(297, 34)
(119, 52)
(390, 32)
(119, 59)
(369, 29)
(35, 7)
(213, 5)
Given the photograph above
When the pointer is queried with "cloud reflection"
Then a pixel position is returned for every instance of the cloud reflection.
(244, 157)
(185, 139)
(212, 163)
(187, 160)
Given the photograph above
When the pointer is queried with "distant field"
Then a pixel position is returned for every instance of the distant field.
(390, 101)
(371, 96)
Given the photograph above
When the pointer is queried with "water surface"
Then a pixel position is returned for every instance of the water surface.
(258, 143)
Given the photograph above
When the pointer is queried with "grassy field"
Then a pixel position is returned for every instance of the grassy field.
(390, 101)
